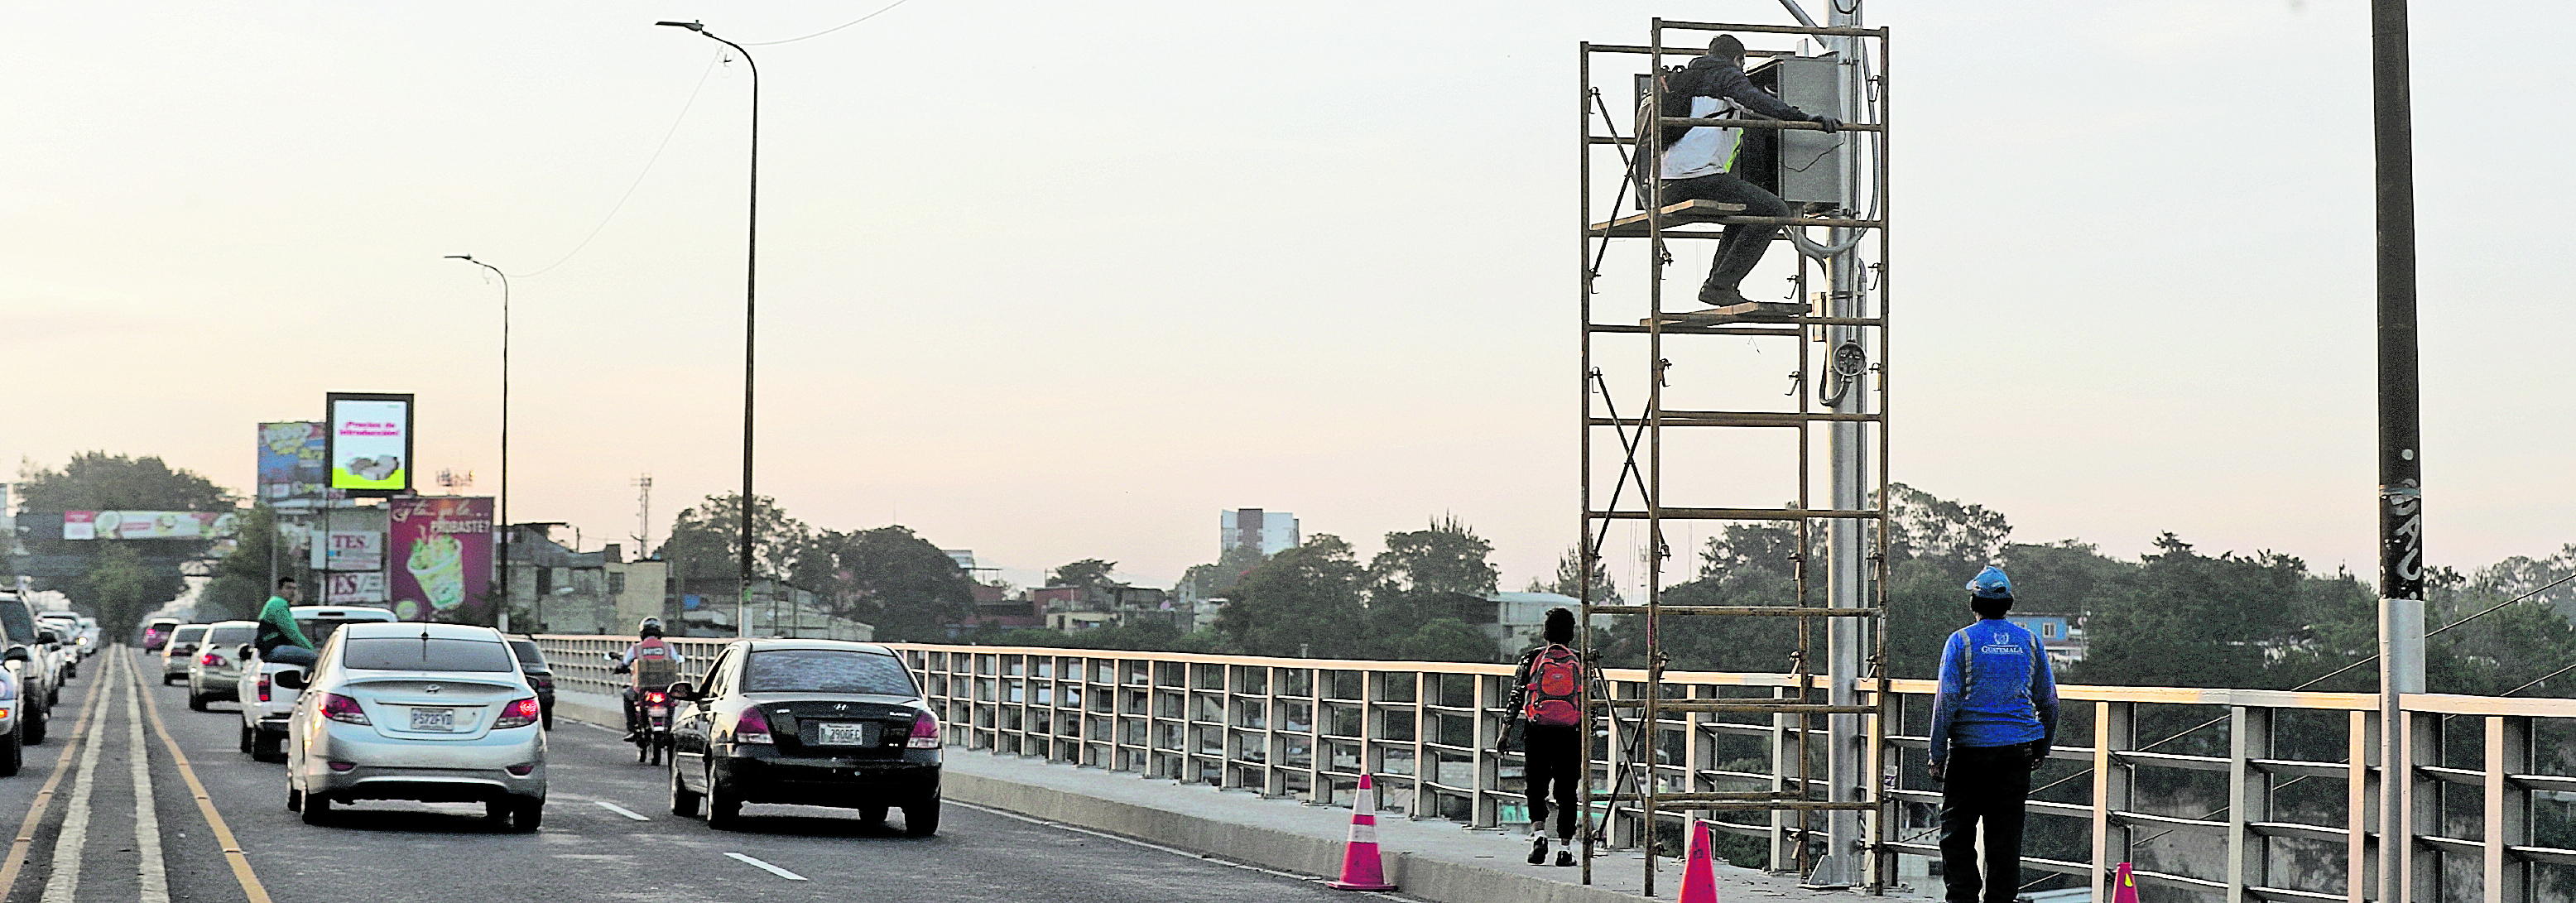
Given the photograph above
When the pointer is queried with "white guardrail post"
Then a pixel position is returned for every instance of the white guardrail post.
(1306, 728)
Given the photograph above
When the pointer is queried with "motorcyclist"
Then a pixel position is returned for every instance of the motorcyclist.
(653, 663)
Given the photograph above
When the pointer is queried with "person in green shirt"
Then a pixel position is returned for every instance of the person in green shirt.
(279, 638)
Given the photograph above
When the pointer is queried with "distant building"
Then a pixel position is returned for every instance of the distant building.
(2061, 635)
(1270, 531)
(1520, 618)
(584, 592)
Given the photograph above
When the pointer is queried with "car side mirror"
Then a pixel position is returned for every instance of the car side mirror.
(15, 654)
(48, 636)
(292, 680)
(683, 691)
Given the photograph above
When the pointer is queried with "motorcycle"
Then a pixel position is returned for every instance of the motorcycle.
(652, 723)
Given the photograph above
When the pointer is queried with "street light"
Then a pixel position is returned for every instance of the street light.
(503, 515)
(750, 296)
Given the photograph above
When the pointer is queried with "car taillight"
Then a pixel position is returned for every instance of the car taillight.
(751, 726)
(343, 709)
(519, 714)
(211, 660)
(925, 732)
(263, 688)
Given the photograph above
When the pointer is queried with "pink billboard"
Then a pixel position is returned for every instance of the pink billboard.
(441, 564)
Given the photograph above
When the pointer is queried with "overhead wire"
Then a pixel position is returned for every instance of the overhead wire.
(683, 116)
(882, 11)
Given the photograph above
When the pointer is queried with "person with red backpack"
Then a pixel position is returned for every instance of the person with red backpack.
(1547, 697)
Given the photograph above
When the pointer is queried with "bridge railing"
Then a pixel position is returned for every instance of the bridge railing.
(2230, 794)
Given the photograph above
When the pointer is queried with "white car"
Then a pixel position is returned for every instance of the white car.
(265, 702)
(409, 711)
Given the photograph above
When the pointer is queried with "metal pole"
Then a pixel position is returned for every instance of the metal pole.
(1846, 562)
(2401, 512)
(750, 308)
(503, 503)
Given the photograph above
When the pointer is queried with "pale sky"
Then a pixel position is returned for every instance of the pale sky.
(1053, 281)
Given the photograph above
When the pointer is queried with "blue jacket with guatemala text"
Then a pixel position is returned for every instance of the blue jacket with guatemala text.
(1996, 689)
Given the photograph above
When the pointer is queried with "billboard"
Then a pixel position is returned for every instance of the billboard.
(346, 587)
(290, 460)
(441, 562)
(367, 442)
(149, 524)
(349, 550)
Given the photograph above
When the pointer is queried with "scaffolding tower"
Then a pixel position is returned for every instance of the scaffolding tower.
(1649, 370)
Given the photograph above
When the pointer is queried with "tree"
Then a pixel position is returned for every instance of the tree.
(242, 582)
(98, 481)
(1569, 579)
(706, 541)
(1446, 558)
(886, 576)
(1307, 596)
(120, 589)
(1211, 580)
(1087, 572)
(1445, 640)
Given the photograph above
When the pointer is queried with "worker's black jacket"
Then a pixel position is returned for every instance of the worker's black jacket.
(1715, 76)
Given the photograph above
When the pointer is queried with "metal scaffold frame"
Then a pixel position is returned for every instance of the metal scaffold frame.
(1847, 707)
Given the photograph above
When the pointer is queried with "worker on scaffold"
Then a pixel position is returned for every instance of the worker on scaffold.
(1700, 165)
(1993, 721)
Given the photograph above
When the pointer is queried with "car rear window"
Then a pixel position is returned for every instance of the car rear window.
(825, 671)
(20, 625)
(181, 635)
(225, 636)
(415, 654)
(528, 653)
(319, 629)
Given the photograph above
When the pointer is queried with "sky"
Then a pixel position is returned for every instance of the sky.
(1061, 281)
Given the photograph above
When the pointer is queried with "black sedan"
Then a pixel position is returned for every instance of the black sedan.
(809, 722)
(532, 662)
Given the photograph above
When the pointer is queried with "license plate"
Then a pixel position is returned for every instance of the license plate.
(862, 733)
(433, 719)
(658, 711)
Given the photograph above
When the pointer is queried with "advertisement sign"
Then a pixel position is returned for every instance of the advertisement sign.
(290, 460)
(346, 587)
(149, 524)
(367, 442)
(350, 550)
(442, 558)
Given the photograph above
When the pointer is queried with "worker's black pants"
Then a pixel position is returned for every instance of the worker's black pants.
(1984, 785)
(1555, 762)
(1742, 246)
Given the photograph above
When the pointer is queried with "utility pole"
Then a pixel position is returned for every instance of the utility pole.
(2401, 459)
(643, 516)
(1844, 862)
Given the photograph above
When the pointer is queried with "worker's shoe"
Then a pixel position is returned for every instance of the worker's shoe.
(1730, 300)
(1538, 850)
(1722, 295)
(1564, 857)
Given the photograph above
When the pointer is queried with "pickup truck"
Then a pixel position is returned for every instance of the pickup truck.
(265, 702)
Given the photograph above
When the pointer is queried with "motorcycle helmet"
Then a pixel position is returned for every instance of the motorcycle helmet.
(649, 627)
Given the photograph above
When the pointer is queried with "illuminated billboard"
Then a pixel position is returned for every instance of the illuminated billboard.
(368, 444)
(442, 558)
(290, 461)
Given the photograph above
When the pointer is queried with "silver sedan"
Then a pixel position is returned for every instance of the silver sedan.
(427, 712)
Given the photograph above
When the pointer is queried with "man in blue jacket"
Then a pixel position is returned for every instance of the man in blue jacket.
(1992, 724)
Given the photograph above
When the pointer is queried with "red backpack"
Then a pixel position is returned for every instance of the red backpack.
(1555, 688)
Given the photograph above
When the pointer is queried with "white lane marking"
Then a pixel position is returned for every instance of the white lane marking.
(154, 874)
(63, 886)
(621, 810)
(766, 867)
(1176, 851)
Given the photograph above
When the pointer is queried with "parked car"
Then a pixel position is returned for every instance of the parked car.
(157, 633)
(428, 712)
(215, 672)
(180, 651)
(67, 645)
(76, 633)
(29, 669)
(264, 701)
(532, 662)
(810, 722)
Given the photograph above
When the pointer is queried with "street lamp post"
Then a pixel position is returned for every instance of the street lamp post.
(750, 296)
(503, 514)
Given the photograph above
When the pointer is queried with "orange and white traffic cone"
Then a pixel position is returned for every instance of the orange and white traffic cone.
(1699, 875)
(2124, 886)
(1361, 869)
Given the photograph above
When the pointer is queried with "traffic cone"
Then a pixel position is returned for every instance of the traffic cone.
(1699, 875)
(2124, 886)
(1361, 869)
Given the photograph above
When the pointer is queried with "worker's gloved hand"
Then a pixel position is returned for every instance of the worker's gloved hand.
(2038, 754)
(1940, 770)
(1831, 124)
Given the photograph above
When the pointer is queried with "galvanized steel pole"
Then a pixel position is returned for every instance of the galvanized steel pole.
(2401, 459)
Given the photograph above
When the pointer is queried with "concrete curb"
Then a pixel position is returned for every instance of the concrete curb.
(1414, 876)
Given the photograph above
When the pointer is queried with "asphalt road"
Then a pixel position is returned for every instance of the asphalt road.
(608, 833)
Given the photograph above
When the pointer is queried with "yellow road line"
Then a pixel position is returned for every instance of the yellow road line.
(205, 805)
(45, 796)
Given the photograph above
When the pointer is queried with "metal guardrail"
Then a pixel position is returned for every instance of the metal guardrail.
(2275, 802)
